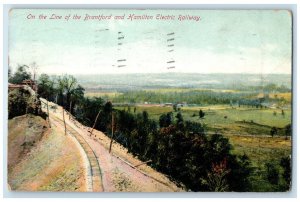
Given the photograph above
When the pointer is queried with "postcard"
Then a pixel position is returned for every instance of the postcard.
(149, 100)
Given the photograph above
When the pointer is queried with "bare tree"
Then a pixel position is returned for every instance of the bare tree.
(34, 68)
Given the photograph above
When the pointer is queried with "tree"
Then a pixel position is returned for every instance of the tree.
(179, 121)
(105, 123)
(240, 172)
(272, 173)
(175, 107)
(201, 114)
(20, 75)
(66, 86)
(165, 120)
(9, 72)
(216, 179)
(273, 131)
(179, 118)
(194, 128)
(17, 102)
(285, 163)
(76, 97)
(145, 116)
(46, 87)
(20, 102)
(34, 69)
(87, 109)
(288, 131)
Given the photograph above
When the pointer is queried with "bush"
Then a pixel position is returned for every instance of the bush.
(21, 102)
(272, 173)
(285, 163)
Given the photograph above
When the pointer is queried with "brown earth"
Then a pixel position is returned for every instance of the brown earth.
(42, 159)
(118, 170)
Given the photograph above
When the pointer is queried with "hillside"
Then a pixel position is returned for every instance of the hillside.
(42, 159)
(45, 158)
(120, 171)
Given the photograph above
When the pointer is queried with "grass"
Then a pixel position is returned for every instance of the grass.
(102, 94)
(154, 111)
(215, 115)
(260, 116)
(261, 150)
(52, 164)
(246, 137)
(287, 96)
(21, 141)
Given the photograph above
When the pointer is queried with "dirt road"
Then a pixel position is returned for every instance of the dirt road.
(117, 172)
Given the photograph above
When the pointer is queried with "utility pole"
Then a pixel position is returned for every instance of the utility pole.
(112, 131)
(64, 120)
(70, 109)
(48, 115)
(142, 163)
(91, 133)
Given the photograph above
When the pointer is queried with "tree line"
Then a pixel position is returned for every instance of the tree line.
(202, 97)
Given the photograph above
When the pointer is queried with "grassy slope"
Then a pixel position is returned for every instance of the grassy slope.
(53, 163)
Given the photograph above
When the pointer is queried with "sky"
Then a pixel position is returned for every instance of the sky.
(228, 41)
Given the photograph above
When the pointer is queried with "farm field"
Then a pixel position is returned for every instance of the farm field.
(102, 94)
(214, 115)
(286, 96)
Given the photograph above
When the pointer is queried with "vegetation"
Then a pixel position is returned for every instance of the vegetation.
(189, 148)
(181, 150)
(201, 114)
(193, 96)
(20, 75)
(63, 90)
(40, 159)
(21, 102)
(176, 147)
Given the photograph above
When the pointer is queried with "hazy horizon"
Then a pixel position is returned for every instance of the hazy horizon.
(192, 73)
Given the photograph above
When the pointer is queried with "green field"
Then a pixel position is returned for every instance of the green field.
(102, 94)
(215, 115)
(248, 130)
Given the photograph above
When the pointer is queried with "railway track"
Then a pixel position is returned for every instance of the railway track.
(70, 129)
(96, 184)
